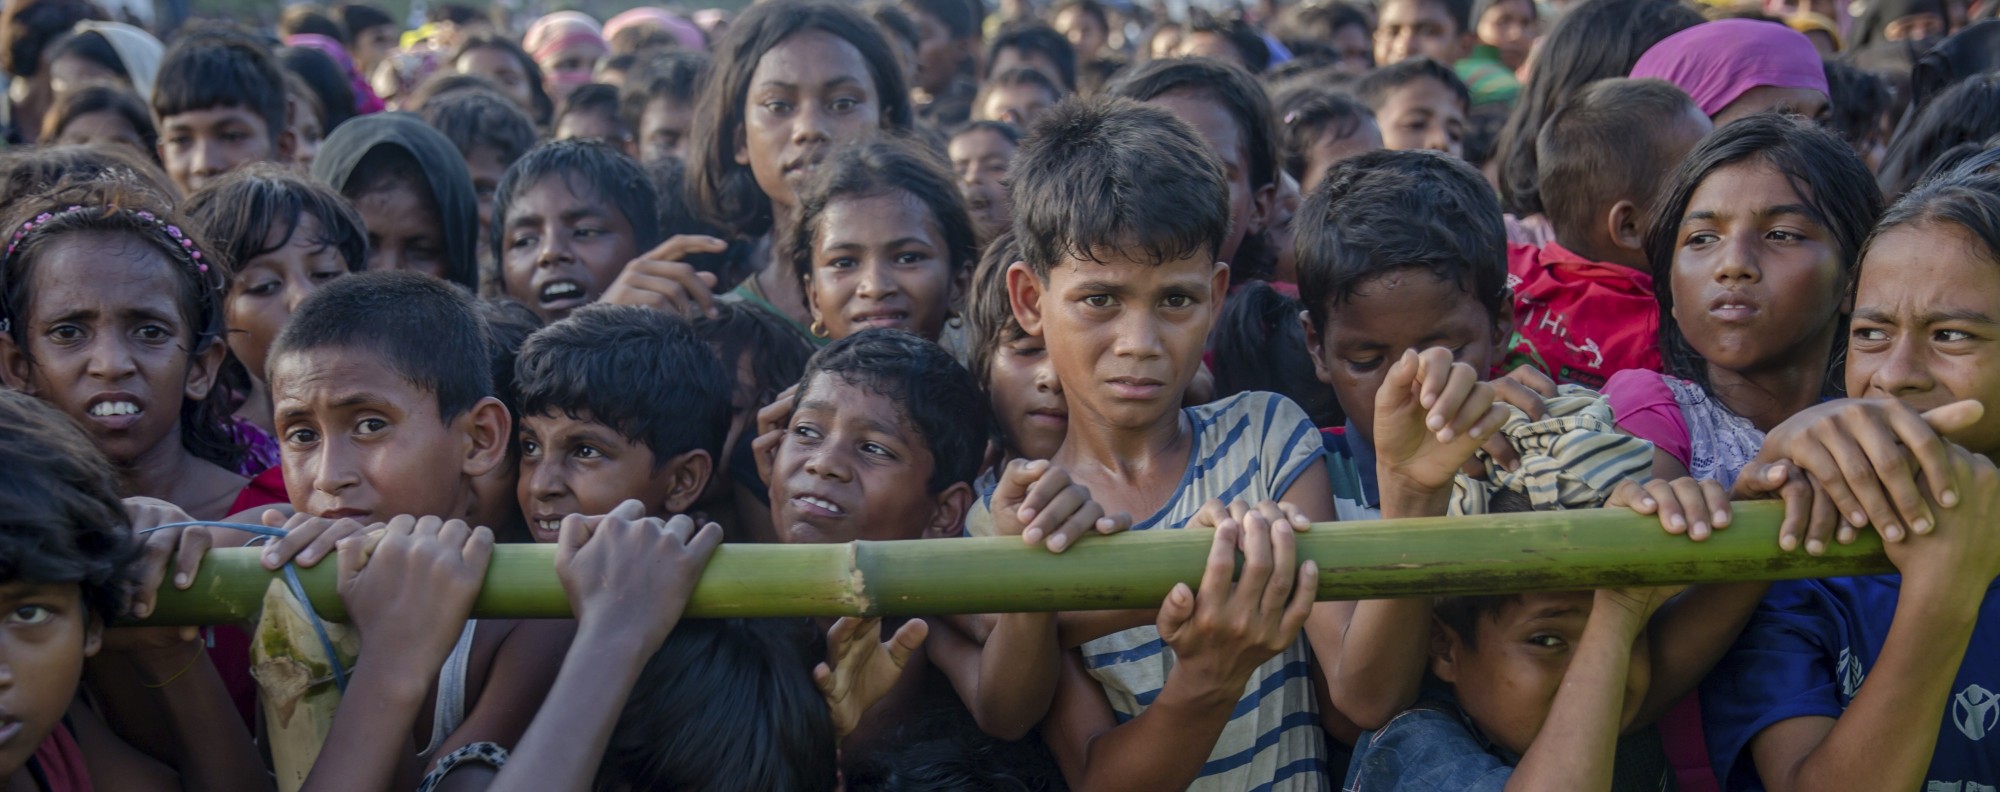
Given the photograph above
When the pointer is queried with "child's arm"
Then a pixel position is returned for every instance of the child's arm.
(628, 580)
(162, 677)
(1885, 737)
(409, 590)
(1580, 735)
(1220, 636)
(663, 279)
(1431, 415)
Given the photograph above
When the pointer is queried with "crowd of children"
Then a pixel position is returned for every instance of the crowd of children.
(820, 272)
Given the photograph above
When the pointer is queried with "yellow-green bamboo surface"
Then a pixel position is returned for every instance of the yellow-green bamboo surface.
(1394, 558)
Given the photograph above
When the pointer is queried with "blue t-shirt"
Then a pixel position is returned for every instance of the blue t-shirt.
(1806, 652)
(1435, 747)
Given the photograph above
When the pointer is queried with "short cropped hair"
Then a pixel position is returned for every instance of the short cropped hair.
(588, 167)
(1227, 85)
(595, 99)
(642, 372)
(60, 517)
(241, 212)
(1374, 89)
(1112, 176)
(939, 398)
(1607, 144)
(216, 65)
(673, 76)
(480, 118)
(1005, 130)
(508, 326)
(886, 167)
(1035, 38)
(1385, 211)
(425, 330)
(1314, 114)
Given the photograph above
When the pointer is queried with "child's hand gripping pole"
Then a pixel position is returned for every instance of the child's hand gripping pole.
(1038, 500)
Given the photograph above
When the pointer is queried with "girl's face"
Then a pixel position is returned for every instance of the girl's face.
(108, 343)
(1028, 398)
(880, 261)
(570, 67)
(810, 94)
(405, 231)
(1509, 26)
(1926, 326)
(562, 250)
(271, 285)
(979, 159)
(503, 69)
(1756, 280)
(105, 127)
(310, 131)
(45, 635)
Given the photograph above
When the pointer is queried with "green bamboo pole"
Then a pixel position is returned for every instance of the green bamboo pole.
(1431, 556)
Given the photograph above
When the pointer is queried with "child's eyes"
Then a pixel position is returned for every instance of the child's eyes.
(520, 242)
(1098, 301)
(530, 448)
(777, 108)
(1369, 364)
(912, 258)
(1701, 238)
(1870, 334)
(1178, 301)
(66, 332)
(842, 263)
(265, 289)
(371, 425)
(1948, 336)
(153, 333)
(1547, 641)
(588, 452)
(327, 275)
(587, 233)
(805, 432)
(301, 437)
(877, 449)
(843, 105)
(31, 615)
(1782, 235)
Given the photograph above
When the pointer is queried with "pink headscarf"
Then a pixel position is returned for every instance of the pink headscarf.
(365, 100)
(1716, 62)
(553, 33)
(683, 31)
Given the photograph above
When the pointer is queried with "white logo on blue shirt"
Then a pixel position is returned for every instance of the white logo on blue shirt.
(1976, 710)
(1848, 669)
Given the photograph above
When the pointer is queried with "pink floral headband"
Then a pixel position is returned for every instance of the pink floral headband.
(173, 231)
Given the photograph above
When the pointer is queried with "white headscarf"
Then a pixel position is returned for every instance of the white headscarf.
(137, 49)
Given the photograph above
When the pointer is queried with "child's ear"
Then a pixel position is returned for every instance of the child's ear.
(948, 520)
(1623, 225)
(1218, 286)
(742, 147)
(93, 636)
(288, 145)
(1263, 206)
(17, 372)
(687, 476)
(485, 428)
(1024, 290)
(1316, 348)
(1503, 322)
(812, 299)
(1446, 650)
(203, 368)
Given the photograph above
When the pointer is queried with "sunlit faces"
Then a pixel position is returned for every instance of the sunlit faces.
(359, 440)
(880, 261)
(1085, 31)
(1028, 398)
(1125, 337)
(561, 250)
(1422, 114)
(853, 466)
(503, 69)
(1509, 26)
(405, 230)
(198, 146)
(1399, 310)
(573, 465)
(270, 286)
(45, 635)
(104, 127)
(663, 129)
(1018, 104)
(108, 343)
(1507, 674)
(809, 94)
(1926, 325)
(1412, 28)
(1756, 280)
(1797, 101)
(979, 159)
(1249, 207)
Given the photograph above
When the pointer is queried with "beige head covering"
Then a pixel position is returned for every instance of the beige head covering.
(137, 49)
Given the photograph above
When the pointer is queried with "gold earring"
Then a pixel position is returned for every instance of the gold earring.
(819, 329)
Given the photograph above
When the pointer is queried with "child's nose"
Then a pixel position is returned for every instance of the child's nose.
(110, 359)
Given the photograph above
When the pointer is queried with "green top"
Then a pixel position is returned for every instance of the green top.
(1489, 79)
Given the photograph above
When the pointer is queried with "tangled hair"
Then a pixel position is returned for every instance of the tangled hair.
(1320, 22)
(1968, 112)
(1859, 99)
(25, 172)
(897, 22)
(541, 107)
(1374, 89)
(243, 210)
(885, 168)
(27, 29)
(678, 217)
(480, 117)
(777, 350)
(595, 99)
(326, 80)
(60, 517)
(1225, 84)
(1594, 40)
(587, 167)
(642, 372)
(989, 310)
(1014, 78)
(117, 100)
(1260, 346)
(128, 208)
(220, 65)
(508, 326)
(726, 191)
(1829, 179)
(938, 397)
(1037, 39)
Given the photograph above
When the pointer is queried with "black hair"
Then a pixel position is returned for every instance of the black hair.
(1967, 112)
(240, 213)
(1969, 199)
(1096, 74)
(725, 706)
(727, 191)
(897, 22)
(92, 46)
(640, 371)
(481, 118)
(442, 84)
(117, 100)
(424, 329)
(508, 326)
(1460, 12)
(1089, 8)
(622, 62)
(960, 17)
(1259, 346)
(778, 351)
(61, 520)
(595, 99)
(1231, 88)
(1110, 176)
(1609, 143)
(309, 18)
(27, 171)
(1012, 78)
(1012, 133)
(1593, 40)
(1035, 38)
(27, 29)
(1480, 7)
(887, 167)
(638, 40)
(1311, 114)
(674, 76)
(1321, 22)
(327, 81)
(989, 309)
(1462, 614)
(948, 753)
(1830, 180)
(1373, 90)
(678, 217)
(1385, 211)
(1248, 43)
(357, 17)
(540, 106)
(939, 398)
(1858, 99)
(587, 167)
(455, 13)
(129, 208)
(213, 66)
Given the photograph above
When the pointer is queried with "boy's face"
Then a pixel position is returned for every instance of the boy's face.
(1011, 58)
(1926, 326)
(561, 250)
(270, 287)
(1019, 105)
(1249, 206)
(578, 466)
(1028, 398)
(405, 231)
(358, 440)
(199, 146)
(1509, 26)
(1392, 312)
(979, 159)
(45, 635)
(852, 466)
(1422, 114)
(810, 94)
(1411, 28)
(1508, 676)
(1125, 336)
(663, 130)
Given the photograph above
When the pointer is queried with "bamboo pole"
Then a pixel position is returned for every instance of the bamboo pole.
(1431, 556)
